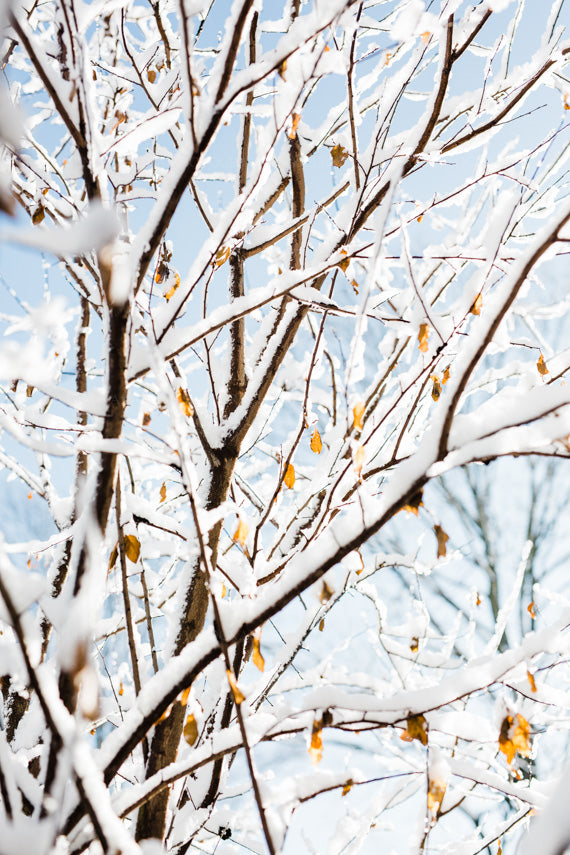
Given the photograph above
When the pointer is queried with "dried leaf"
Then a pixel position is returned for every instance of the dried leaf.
(146, 419)
(347, 787)
(416, 728)
(224, 590)
(357, 416)
(325, 593)
(190, 731)
(132, 548)
(541, 365)
(436, 388)
(442, 539)
(425, 37)
(121, 689)
(316, 442)
(415, 644)
(415, 503)
(256, 656)
(478, 600)
(316, 745)
(282, 69)
(239, 696)
(222, 256)
(339, 155)
(151, 75)
(359, 457)
(531, 680)
(566, 104)
(345, 261)
(289, 479)
(185, 695)
(515, 737)
(321, 624)
(162, 492)
(184, 402)
(355, 285)
(477, 305)
(435, 794)
(445, 377)
(295, 119)
(531, 611)
(113, 557)
(174, 287)
(29, 391)
(38, 215)
(423, 336)
(241, 533)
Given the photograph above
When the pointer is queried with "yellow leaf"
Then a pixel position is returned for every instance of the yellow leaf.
(151, 75)
(316, 745)
(435, 794)
(388, 58)
(224, 590)
(442, 539)
(436, 388)
(541, 365)
(239, 696)
(222, 256)
(515, 736)
(132, 548)
(416, 728)
(161, 272)
(146, 419)
(282, 69)
(316, 442)
(355, 285)
(477, 305)
(499, 847)
(121, 689)
(445, 377)
(165, 714)
(420, 218)
(345, 261)
(190, 731)
(38, 215)
(357, 415)
(184, 402)
(289, 479)
(423, 336)
(425, 36)
(359, 456)
(256, 656)
(531, 611)
(185, 695)
(173, 287)
(321, 624)
(325, 593)
(531, 680)
(241, 532)
(339, 154)
(296, 118)
(162, 492)
(113, 556)
(347, 787)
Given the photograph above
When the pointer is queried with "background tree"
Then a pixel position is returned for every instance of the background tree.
(305, 270)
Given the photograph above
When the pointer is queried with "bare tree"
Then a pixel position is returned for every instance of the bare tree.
(300, 261)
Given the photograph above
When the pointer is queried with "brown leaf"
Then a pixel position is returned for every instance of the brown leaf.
(184, 402)
(414, 504)
(256, 656)
(132, 548)
(435, 794)
(442, 539)
(415, 644)
(113, 556)
(222, 256)
(29, 391)
(325, 593)
(355, 285)
(241, 532)
(146, 419)
(445, 377)
(316, 442)
(190, 731)
(151, 75)
(416, 728)
(541, 365)
(477, 305)
(436, 388)
(359, 456)
(289, 479)
(239, 696)
(423, 336)
(515, 737)
(316, 745)
(347, 787)
(162, 492)
(357, 416)
(295, 119)
(38, 215)
(339, 155)
(321, 624)
(345, 261)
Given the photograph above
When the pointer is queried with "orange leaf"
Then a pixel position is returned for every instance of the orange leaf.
(239, 696)
(345, 261)
(445, 377)
(162, 492)
(282, 69)
(132, 548)
(241, 533)
(357, 414)
(531, 611)
(296, 118)
(359, 456)
(222, 256)
(415, 644)
(121, 689)
(184, 402)
(190, 731)
(416, 728)
(339, 154)
(531, 681)
(442, 539)
(151, 75)
(146, 419)
(185, 695)
(325, 593)
(316, 746)
(423, 336)
(289, 479)
(477, 305)
(113, 557)
(347, 787)
(316, 442)
(224, 590)
(355, 285)
(173, 287)
(414, 504)
(38, 215)
(256, 656)
(435, 794)
(515, 736)
(541, 365)
(425, 37)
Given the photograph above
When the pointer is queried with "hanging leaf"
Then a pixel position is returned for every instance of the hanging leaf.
(282, 69)
(541, 365)
(295, 119)
(531, 681)
(359, 457)
(445, 377)
(425, 37)
(38, 215)
(321, 624)
(416, 728)
(239, 696)
(151, 75)
(316, 442)
(162, 492)
(531, 611)
(414, 504)
(423, 336)
(515, 737)
(173, 287)
(347, 787)
(222, 256)
(113, 557)
(224, 590)
(436, 388)
(289, 479)
(357, 416)
(477, 305)
(345, 261)
(190, 731)
(132, 548)
(256, 656)
(121, 689)
(415, 644)
(316, 744)
(185, 695)
(325, 593)
(146, 419)
(435, 794)
(184, 402)
(241, 533)
(339, 155)
(442, 539)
